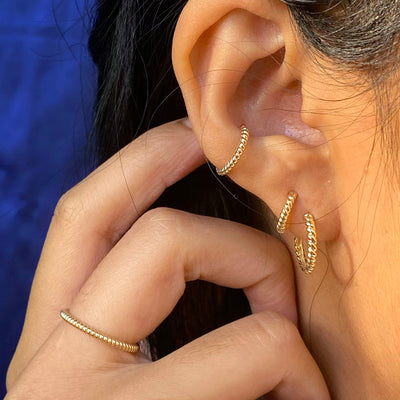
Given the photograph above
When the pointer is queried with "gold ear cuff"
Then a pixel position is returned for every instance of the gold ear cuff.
(307, 260)
(244, 137)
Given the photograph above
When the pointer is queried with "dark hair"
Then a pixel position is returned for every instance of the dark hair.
(358, 34)
(361, 36)
(131, 46)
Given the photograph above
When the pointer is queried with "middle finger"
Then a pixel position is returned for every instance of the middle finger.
(139, 282)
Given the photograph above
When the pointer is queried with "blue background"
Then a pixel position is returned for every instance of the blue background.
(47, 85)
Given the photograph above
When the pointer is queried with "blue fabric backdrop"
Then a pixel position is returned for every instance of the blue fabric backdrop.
(46, 93)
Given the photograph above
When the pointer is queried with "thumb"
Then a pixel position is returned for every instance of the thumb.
(244, 360)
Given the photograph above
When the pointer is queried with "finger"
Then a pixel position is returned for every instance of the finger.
(240, 361)
(260, 354)
(92, 216)
(140, 281)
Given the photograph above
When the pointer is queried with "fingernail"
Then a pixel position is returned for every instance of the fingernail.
(187, 123)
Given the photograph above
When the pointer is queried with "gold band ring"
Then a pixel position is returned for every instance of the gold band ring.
(130, 348)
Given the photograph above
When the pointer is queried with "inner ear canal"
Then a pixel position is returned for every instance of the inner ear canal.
(269, 107)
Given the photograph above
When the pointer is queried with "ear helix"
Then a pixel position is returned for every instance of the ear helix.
(307, 261)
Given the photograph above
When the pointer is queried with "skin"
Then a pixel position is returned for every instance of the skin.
(245, 63)
(236, 63)
(124, 269)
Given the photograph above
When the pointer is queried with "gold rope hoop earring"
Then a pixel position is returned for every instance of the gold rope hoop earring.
(307, 262)
(281, 226)
(244, 137)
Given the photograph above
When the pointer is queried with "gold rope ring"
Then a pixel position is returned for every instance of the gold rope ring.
(130, 348)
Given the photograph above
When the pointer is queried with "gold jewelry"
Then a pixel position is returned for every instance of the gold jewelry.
(242, 146)
(307, 262)
(281, 227)
(130, 348)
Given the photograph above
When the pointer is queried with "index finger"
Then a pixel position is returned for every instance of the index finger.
(92, 216)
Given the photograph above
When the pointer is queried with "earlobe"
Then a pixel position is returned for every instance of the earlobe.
(235, 66)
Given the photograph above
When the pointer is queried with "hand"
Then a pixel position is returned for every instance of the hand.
(121, 270)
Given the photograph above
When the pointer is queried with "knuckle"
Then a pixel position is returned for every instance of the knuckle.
(159, 234)
(161, 222)
(276, 329)
(70, 209)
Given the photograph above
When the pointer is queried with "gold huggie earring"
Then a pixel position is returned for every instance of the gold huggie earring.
(307, 262)
(233, 161)
(287, 209)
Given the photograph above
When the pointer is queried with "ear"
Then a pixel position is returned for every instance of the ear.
(240, 63)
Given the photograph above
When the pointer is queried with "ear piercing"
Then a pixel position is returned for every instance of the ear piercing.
(244, 137)
(307, 260)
